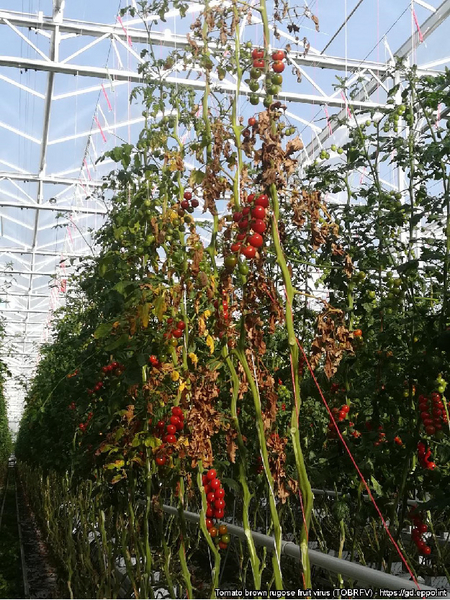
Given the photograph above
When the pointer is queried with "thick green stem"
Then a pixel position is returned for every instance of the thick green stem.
(265, 461)
(243, 473)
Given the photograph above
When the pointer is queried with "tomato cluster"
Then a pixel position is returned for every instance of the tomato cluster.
(424, 455)
(251, 224)
(174, 332)
(215, 496)
(273, 80)
(84, 426)
(113, 369)
(433, 414)
(187, 204)
(174, 424)
(416, 534)
(339, 414)
(74, 374)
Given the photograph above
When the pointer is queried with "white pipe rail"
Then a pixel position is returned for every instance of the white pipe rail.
(347, 569)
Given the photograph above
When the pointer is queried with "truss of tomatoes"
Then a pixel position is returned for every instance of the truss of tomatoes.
(416, 534)
(432, 413)
(215, 496)
(112, 369)
(273, 80)
(251, 223)
(166, 430)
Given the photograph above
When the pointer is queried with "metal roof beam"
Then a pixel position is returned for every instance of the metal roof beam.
(57, 180)
(54, 208)
(102, 73)
(59, 254)
(173, 40)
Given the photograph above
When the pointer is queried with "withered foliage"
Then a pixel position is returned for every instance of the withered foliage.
(203, 420)
(333, 340)
(277, 460)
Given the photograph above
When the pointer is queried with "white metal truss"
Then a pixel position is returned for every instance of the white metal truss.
(31, 198)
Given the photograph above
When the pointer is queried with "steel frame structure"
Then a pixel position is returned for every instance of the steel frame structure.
(34, 263)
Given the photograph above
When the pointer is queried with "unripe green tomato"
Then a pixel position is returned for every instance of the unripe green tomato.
(371, 294)
(253, 85)
(340, 150)
(361, 275)
(268, 101)
(441, 389)
(254, 99)
(255, 73)
(230, 262)
(243, 268)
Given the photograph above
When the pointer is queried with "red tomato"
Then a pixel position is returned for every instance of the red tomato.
(194, 203)
(153, 360)
(209, 523)
(256, 240)
(235, 247)
(345, 408)
(258, 226)
(214, 483)
(161, 460)
(237, 216)
(426, 550)
(220, 493)
(246, 210)
(243, 224)
(252, 121)
(207, 488)
(259, 63)
(177, 333)
(213, 532)
(424, 415)
(219, 513)
(250, 198)
(430, 430)
(177, 412)
(422, 528)
(171, 429)
(357, 332)
(249, 252)
(223, 546)
(258, 212)
(241, 236)
(211, 497)
(219, 503)
(181, 325)
(212, 474)
(278, 55)
(257, 53)
(278, 66)
(209, 512)
(341, 415)
(174, 420)
(170, 439)
(187, 195)
(262, 200)
(185, 204)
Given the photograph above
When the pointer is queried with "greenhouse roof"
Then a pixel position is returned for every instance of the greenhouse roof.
(66, 73)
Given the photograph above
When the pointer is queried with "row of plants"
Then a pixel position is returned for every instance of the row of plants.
(5, 434)
(217, 376)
